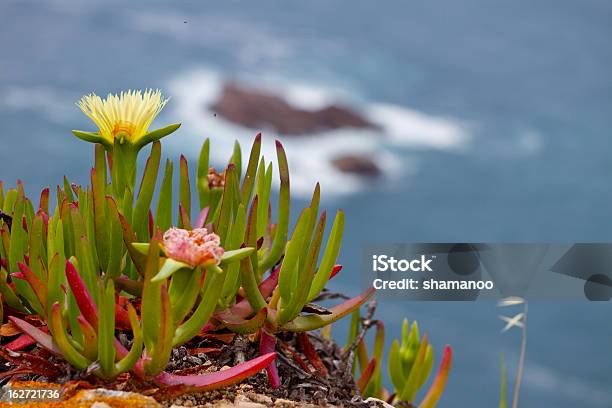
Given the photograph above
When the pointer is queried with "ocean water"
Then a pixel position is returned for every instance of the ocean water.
(495, 121)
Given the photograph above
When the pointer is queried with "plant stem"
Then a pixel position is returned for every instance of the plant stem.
(521, 366)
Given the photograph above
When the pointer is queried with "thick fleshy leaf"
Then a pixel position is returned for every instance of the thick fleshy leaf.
(159, 355)
(308, 262)
(106, 329)
(264, 185)
(267, 344)
(37, 253)
(213, 284)
(157, 134)
(44, 339)
(288, 278)
(410, 388)
(169, 267)
(129, 237)
(236, 255)
(9, 296)
(396, 374)
(60, 338)
(229, 202)
(219, 379)
(98, 184)
(18, 242)
(202, 181)
(82, 295)
(184, 189)
(90, 339)
(201, 218)
(35, 283)
(246, 326)
(163, 212)
(117, 247)
(92, 137)
(232, 257)
(151, 297)
(282, 226)
(236, 158)
(249, 177)
(314, 322)
(183, 291)
(311, 354)
(145, 194)
(366, 375)
(243, 308)
(437, 388)
(332, 250)
(130, 359)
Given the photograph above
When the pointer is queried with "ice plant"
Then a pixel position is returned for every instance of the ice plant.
(108, 258)
(123, 122)
(410, 364)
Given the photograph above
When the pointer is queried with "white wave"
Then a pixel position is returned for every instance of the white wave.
(310, 156)
(412, 128)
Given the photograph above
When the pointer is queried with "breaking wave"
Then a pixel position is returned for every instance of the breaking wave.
(401, 132)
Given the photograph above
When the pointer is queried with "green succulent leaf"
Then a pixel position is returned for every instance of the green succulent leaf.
(157, 134)
(92, 137)
(202, 182)
(169, 267)
(61, 341)
(184, 189)
(236, 255)
(213, 284)
(282, 227)
(128, 362)
(330, 255)
(106, 329)
(314, 322)
(145, 195)
(183, 291)
(163, 214)
(98, 184)
(250, 175)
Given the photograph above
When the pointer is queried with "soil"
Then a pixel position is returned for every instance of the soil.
(301, 383)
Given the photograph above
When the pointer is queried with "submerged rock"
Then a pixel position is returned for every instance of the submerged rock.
(259, 109)
(360, 165)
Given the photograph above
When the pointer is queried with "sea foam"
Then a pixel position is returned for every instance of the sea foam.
(401, 133)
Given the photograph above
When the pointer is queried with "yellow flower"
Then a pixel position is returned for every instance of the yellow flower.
(126, 116)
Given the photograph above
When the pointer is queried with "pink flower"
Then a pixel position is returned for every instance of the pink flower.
(196, 247)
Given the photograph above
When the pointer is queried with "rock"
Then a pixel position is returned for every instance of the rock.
(100, 405)
(360, 165)
(259, 109)
(101, 397)
(242, 401)
(378, 403)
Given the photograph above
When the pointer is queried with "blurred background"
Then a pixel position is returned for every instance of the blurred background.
(476, 121)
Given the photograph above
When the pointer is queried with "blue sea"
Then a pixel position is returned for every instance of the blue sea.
(494, 119)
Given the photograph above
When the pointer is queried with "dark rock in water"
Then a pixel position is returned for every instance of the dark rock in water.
(360, 165)
(258, 109)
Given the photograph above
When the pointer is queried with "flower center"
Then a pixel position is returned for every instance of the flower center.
(123, 130)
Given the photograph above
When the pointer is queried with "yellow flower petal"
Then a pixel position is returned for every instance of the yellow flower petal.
(128, 114)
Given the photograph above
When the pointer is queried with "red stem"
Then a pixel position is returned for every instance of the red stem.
(267, 344)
